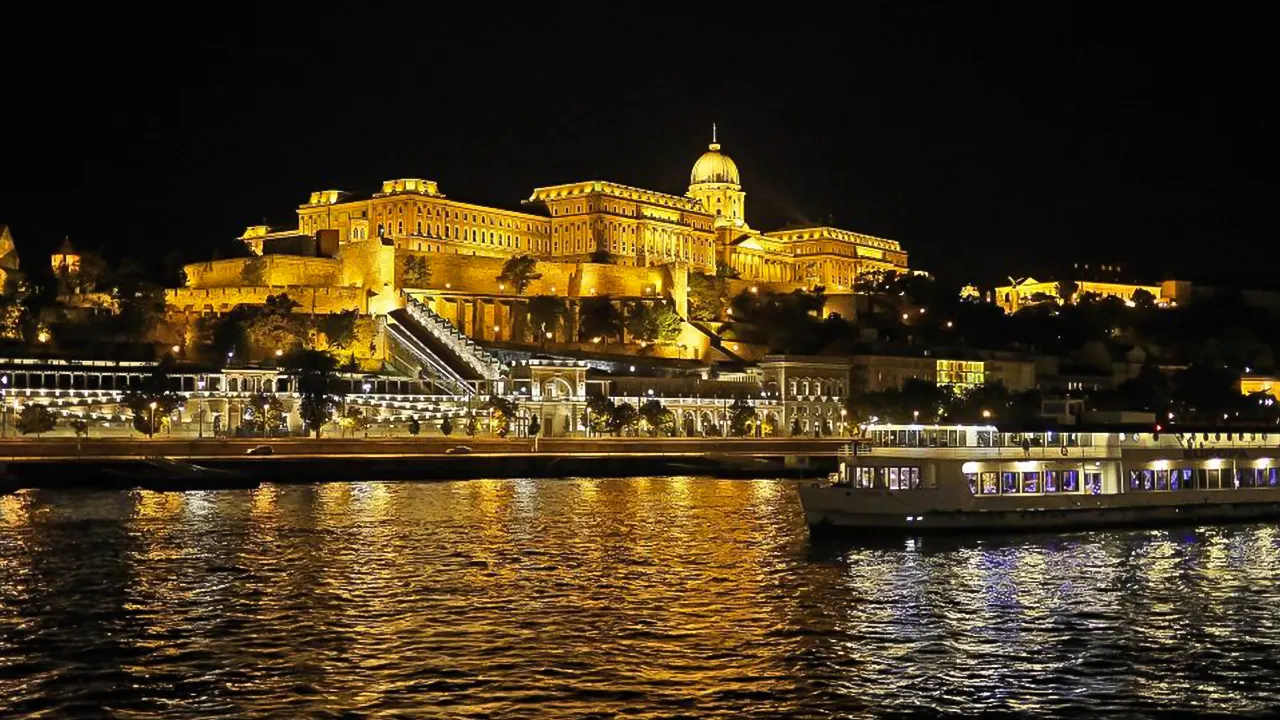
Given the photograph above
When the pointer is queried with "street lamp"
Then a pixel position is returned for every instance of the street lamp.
(915, 416)
(986, 414)
(4, 405)
(151, 426)
(844, 426)
(265, 408)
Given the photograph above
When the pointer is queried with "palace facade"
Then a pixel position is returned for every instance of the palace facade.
(592, 221)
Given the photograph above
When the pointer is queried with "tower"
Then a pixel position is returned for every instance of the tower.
(714, 182)
(65, 261)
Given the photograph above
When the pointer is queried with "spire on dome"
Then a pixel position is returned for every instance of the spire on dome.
(715, 144)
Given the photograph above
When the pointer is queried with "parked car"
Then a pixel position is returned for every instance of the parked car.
(259, 450)
(458, 450)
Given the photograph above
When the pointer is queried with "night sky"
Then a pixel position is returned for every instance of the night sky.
(989, 142)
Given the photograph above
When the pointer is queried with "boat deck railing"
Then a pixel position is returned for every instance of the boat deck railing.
(988, 453)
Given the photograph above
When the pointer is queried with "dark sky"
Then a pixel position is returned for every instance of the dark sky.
(989, 141)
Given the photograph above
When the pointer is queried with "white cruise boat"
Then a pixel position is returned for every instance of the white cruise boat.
(947, 478)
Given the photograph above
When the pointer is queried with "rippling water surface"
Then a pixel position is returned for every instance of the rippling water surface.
(595, 598)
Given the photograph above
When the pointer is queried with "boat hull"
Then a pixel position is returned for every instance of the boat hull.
(831, 516)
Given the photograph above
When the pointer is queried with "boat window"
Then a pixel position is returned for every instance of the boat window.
(973, 482)
(1162, 479)
(1071, 481)
(990, 483)
(1009, 483)
(1051, 481)
(1030, 482)
(1093, 482)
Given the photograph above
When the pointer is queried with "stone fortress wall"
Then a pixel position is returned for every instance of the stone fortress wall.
(224, 299)
(265, 270)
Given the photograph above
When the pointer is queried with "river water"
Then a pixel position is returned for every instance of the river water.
(601, 598)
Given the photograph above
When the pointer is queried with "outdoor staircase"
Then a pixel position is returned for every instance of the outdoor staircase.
(450, 358)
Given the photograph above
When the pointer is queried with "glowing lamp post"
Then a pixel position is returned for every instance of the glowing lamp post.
(151, 426)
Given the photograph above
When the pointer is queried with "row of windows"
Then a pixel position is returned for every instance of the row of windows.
(942, 437)
(893, 478)
(807, 388)
(429, 211)
(472, 235)
(1202, 479)
(1045, 482)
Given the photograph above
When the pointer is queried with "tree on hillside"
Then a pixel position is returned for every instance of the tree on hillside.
(273, 327)
(707, 297)
(417, 272)
(338, 328)
(254, 272)
(654, 323)
(546, 312)
(1067, 290)
(35, 420)
(446, 426)
(80, 426)
(1143, 299)
(535, 426)
(414, 427)
(599, 318)
(318, 386)
(787, 323)
(519, 272)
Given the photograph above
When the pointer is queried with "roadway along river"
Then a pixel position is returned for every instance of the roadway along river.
(578, 598)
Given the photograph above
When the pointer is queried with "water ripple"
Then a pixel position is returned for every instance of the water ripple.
(647, 598)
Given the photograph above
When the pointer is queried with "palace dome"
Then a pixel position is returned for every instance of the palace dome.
(714, 167)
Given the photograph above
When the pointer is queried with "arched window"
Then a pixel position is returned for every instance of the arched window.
(419, 227)
(399, 227)
(381, 231)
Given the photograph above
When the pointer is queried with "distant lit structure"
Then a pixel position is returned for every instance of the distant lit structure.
(66, 261)
(1030, 291)
(8, 256)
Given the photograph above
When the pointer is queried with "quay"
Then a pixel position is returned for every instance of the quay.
(66, 464)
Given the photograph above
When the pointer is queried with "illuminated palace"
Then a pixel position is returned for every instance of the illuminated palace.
(592, 237)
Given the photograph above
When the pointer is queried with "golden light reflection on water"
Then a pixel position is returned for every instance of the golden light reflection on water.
(567, 597)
